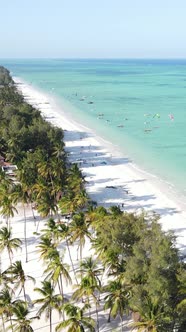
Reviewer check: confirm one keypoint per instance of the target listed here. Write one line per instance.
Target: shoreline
(112, 179)
(62, 109)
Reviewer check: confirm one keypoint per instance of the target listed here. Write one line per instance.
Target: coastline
(112, 179)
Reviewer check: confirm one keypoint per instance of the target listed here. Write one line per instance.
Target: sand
(111, 179)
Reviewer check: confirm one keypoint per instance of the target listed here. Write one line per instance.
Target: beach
(111, 179)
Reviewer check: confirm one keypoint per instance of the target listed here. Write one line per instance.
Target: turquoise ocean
(138, 105)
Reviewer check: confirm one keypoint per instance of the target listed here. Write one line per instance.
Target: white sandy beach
(111, 180)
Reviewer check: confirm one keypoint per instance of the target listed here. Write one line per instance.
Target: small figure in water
(171, 116)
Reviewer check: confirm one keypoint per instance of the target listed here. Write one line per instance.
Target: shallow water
(127, 102)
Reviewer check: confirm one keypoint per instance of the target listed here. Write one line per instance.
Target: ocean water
(138, 105)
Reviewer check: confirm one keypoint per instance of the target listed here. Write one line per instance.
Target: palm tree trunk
(11, 324)
(38, 224)
(97, 316)
(88, 300)
(51, 180)
(24, 292)
(8, 223)
(80, 248)
(102, 275)
(57, 212)
(77, 252)
(59, 286)
(50, 316)
(33, 213)
(108, 321)
(3, 323)
(26, 251)
(62, 293)
(121, 323)
(10, 257)
(71, 261)
(61, 282)
(80, 251)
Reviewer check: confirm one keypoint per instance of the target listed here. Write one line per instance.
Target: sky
(92, 29)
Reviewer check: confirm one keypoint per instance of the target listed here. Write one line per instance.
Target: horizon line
(90, 58)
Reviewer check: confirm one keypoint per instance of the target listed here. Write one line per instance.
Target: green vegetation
(5, 78)
(145, 275)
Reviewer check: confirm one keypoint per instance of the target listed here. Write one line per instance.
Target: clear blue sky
(93, 28)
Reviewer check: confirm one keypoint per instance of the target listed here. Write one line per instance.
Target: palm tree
(7, 208)
(75, 175)
(8, 243)
(79, 231)
(88, 290)
(115, 211)
(107, 256)
(75, 179)
(39, 188)
(63, 233)
(53, 171)
(45, 246)
(2, 317)
(49, 300)
(52, 230)
(145, 326)
(116, 300)
(89, 267)
(6, 186)
(6, 182)
(90, 282)
(67, 203)
(73, 201)
(81, 199)
(6, 306)
(58, 152)
(57, 270)
(76, 321)
(75, 197)
(95, 216)
(22, 195)
(84, 291)
(152, 315)
(18, 276)
(27, 176)
(46, 170)
(46, 204)
(4, 279)
(22, 323)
